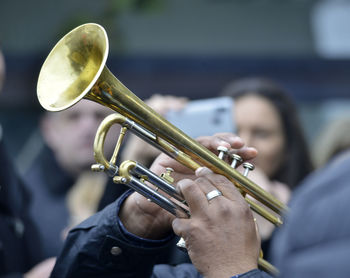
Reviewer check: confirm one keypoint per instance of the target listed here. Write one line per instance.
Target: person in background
(266, 118)
(332, 140)
(20, 244)
(64, 189)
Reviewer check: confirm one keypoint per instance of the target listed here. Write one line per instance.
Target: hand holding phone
(204, 117)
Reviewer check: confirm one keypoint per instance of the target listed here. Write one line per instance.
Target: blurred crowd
(57, 190)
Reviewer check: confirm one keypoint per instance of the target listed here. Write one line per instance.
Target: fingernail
(181, 183)
(238, 139)
(224, 143)
(252, 149)
(203, 171)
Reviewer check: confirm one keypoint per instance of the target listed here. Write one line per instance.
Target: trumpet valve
(222, 151)
(235, 160)
(247, 167)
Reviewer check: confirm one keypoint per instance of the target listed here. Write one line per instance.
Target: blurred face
(259, 125)
(71, 133)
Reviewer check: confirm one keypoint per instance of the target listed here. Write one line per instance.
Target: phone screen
(204, 117)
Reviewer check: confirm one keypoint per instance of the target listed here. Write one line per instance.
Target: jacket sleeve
(99, 248)
(315, 238)
(189, 271)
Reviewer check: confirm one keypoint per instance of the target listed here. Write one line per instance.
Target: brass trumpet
(75, 69)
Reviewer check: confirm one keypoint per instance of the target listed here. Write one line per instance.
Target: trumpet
(76, 69)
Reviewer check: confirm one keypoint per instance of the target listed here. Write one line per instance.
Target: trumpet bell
(75, 69)
(72, 67)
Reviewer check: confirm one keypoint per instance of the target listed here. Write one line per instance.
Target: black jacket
(99, 248)
(20, 247)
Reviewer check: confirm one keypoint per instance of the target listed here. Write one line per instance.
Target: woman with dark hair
(266, 118)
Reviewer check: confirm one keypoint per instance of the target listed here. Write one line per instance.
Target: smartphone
(204, 117)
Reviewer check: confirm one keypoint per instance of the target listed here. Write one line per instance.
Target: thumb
(180, 226)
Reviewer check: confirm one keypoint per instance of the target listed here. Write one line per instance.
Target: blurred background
(189, 48)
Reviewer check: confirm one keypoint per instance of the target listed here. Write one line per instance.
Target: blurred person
(332, 140)
(20, 252)
(20, 245)
(63, 188)
(266, 118)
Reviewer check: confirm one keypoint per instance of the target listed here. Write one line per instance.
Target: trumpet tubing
(75, 69)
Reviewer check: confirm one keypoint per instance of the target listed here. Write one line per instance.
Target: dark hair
(298, 162)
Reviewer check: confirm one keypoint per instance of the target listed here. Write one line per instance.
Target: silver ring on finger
(213, 194)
